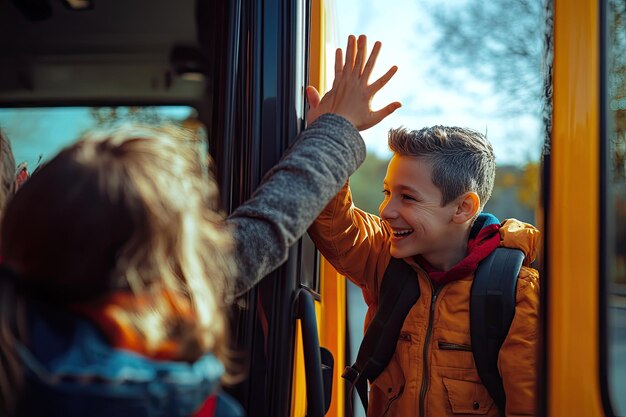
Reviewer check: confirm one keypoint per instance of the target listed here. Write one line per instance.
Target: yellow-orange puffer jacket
(432, 372)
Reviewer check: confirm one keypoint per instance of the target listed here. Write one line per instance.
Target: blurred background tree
(616, 85)
(367, 183)
(106, 117)
(498, 43)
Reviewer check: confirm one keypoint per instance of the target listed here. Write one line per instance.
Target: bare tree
(616, 86)
(500, 43)
(111, 116)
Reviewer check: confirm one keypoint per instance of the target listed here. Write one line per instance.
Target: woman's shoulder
(68, 364)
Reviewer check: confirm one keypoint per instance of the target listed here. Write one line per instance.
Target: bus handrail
(305, 311)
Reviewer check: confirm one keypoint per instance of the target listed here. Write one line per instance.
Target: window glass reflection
(616, 199)
(37, 134)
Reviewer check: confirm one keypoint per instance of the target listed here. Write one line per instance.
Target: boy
(436, 185)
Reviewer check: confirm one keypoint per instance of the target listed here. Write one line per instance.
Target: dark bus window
(615, 200)
(37, 134)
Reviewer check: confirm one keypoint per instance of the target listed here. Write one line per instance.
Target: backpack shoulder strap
(398, 293)
(492, 307)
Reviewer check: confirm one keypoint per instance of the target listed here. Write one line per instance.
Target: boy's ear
(467, 207)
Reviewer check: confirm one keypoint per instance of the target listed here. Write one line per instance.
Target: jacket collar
(483, 239)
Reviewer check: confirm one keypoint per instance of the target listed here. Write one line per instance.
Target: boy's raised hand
(351, 95)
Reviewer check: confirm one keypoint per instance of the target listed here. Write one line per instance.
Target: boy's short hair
(462, 159)
(7, 170)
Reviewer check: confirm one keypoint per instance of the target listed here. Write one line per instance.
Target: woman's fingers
(338, 65)
(379, 115)
(313, 97)
(314, 100)
(369, 66)
(380, 83)
(350, 55)
(360, 55)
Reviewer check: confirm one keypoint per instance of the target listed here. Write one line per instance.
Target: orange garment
(432, 372)
(112, 314)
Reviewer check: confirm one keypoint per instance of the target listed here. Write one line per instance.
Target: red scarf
(479, 247)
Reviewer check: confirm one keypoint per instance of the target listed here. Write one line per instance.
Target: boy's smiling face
(412, 208)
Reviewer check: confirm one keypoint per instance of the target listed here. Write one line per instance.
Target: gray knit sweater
(292, 194)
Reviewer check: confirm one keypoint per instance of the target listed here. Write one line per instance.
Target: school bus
(238, 68)
(583, 213)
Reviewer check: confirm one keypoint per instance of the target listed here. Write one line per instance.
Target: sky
(407, 35)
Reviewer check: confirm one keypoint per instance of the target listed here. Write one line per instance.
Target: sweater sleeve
(292, 194)
(355, 242)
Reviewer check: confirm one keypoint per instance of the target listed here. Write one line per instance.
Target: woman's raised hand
(351, 95)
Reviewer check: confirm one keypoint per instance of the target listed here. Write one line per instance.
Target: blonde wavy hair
(128, 209)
